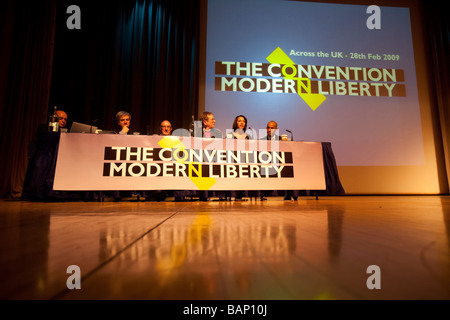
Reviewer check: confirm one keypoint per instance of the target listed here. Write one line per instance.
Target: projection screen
(326, 72)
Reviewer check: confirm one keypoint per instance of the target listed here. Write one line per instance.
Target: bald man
(272, 130)
(165, 128)
(62, 118)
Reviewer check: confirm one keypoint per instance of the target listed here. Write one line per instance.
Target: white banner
(138, 162)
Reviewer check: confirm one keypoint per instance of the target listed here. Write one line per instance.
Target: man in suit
(272, 130)
(208, 123)
(209, 131)
(123, 119)
(165, 128)
(62, 119)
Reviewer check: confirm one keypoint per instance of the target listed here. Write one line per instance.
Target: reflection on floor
(349, 247)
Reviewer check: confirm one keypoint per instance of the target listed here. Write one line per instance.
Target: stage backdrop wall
(143, 56)
(354, 75)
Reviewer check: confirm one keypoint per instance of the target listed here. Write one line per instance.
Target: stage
(333, 247)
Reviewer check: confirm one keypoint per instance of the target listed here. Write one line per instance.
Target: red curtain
(27, 38)
(140, 56)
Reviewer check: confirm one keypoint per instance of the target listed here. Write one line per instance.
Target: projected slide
(326, 72)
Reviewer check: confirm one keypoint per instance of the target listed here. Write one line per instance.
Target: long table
(40, 176)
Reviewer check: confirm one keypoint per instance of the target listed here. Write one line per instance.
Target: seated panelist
(123, 119)
(272, 131)
(239, 128)
(208, 124)
(165, 128)
(62, 119)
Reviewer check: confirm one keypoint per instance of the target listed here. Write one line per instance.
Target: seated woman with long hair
(240, 127)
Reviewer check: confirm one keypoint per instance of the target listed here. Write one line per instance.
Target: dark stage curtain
(136, 56)
(26, 41)
(133, 55)
(439, 37)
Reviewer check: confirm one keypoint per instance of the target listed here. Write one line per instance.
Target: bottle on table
(53, 124)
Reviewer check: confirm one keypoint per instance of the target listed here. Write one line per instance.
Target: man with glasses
(208, 123)
(165, 128)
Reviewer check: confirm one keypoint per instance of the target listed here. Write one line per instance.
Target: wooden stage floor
(226, 250)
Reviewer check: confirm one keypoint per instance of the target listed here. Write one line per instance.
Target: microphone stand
(90, 130)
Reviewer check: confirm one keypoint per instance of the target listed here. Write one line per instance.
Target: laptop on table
(82, 128)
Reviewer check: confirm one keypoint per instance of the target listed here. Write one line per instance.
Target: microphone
(90, 130)
(253, 131)
(192, 126)
(292, 135)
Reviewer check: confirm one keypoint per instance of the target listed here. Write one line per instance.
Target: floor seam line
(110, 259)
